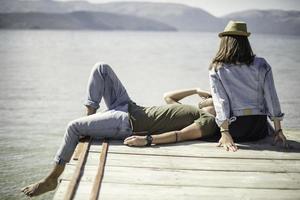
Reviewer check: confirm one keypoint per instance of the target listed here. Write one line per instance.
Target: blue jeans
(112, 124)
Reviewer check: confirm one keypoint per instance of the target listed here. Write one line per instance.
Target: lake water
(44, 76)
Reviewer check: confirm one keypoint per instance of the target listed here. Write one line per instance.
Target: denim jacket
(239, 90)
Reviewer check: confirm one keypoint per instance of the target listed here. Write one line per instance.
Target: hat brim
(240, 33)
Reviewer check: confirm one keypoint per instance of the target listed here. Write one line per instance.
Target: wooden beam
(98, 179)
(79, 148)
(78, 172)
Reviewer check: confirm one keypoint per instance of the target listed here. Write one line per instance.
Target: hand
(203, 94)
(226, 141)
(279, 137)
(135, 140)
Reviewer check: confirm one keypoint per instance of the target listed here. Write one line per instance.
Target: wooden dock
(188, 170)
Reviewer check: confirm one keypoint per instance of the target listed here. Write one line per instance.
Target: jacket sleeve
(220, 98)
(270, 95)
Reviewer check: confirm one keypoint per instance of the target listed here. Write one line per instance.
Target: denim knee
(101, 67)
(73, 128)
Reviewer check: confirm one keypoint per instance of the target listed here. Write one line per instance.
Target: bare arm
(176, 95)
(190, 132)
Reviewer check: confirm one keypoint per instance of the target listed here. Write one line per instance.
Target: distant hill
(79, 20)
(45, 6)
(269, 21)
(162, 16)
(177, 15)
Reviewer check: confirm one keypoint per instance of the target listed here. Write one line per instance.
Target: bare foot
(40, 187)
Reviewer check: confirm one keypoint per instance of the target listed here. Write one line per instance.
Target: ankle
(50, 179)
(56, 172)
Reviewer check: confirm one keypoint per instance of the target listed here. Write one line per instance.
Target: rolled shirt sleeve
(220, 98)
(270, 96)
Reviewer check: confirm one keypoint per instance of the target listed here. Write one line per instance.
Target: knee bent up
(101, 67)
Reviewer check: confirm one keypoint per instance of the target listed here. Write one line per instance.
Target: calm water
(44, 75)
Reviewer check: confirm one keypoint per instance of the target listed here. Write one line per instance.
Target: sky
(223, 7)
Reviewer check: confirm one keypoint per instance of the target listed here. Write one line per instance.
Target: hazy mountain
(180, 16)
(167, 15)
(269, 21)
(176, 15)
(48, 6)
(79, 20)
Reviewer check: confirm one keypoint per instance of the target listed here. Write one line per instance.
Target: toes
(27, 192)
(34, 190)
(24, 188)
(30, 194)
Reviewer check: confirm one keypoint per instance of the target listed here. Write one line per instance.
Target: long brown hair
(233, 49)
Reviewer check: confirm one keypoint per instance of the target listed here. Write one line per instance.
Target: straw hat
(235, 28)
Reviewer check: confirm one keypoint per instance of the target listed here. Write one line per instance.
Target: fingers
(133, 141)
(281, 138)
(129, 141)
(130, 138)
(228, 146)
(275, 140)
(233, 147)
(284, 143)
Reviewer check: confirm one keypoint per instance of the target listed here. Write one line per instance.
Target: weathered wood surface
(76, 175)
(191, 170)
(100, 172)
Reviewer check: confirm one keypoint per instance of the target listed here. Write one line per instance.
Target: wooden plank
(204, 164)
(149, 176)
(77, 173)
(150, 192)
(100, 172)
(79, 147)
(78, 151)
(204, 150)
(88, 174)
(232, 179)
(113, 191)
(292, 134)
(202, 178)
(82, 193)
